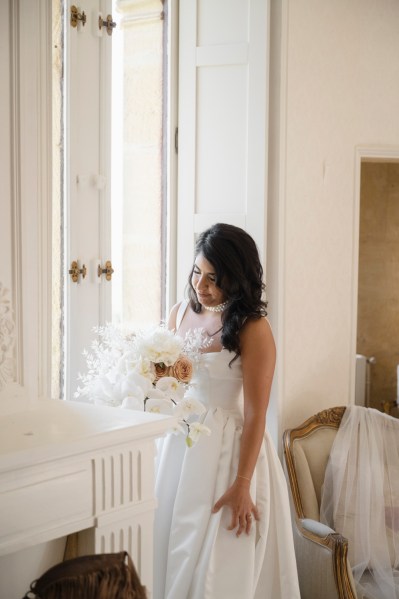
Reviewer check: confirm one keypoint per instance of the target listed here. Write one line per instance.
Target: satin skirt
(196, 557)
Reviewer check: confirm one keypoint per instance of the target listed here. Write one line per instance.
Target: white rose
(160, 345)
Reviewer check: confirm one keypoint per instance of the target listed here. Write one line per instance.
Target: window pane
(137, 166)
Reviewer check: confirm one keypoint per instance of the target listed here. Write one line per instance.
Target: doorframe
(362, 154)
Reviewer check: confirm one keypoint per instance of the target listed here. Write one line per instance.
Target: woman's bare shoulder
(257, 326)
(172, 316)
(257, 332)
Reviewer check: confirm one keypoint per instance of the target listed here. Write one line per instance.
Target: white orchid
(189, 406)
(155, 393)
(159, 406)
(171, 388)
(178, 429)
(196, 429)
(105, 390)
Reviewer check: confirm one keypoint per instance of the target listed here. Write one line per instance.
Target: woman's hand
(238, 498)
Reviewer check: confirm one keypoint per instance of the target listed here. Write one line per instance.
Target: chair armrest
(317, 528)
(323, 567)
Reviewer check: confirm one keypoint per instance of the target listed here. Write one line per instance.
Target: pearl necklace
(218, 308)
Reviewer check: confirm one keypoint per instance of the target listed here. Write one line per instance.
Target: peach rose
(161, 370)
(182, 369)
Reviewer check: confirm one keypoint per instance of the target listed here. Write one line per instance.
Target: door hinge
(177, 140)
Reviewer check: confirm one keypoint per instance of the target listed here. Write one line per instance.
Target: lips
(202, 296)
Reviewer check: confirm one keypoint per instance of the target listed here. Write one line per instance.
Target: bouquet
(148, 370)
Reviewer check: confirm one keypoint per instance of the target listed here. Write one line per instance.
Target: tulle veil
(360, 498)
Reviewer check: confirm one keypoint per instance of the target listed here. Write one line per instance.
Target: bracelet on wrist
(244, 477)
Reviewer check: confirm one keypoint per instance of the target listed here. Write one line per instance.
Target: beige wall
(378, 295)
(339, 89)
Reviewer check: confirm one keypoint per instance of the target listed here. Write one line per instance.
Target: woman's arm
(258, 357)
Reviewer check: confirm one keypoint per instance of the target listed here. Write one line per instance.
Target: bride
(223, 527)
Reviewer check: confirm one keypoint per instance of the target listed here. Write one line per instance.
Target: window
(138, 203)
(110, 160)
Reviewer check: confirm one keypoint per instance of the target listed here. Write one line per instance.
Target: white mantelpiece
(68, 467)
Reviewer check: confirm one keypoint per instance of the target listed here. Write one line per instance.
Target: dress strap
(180, 313)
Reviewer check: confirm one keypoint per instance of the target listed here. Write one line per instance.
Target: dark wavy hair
(239, 274)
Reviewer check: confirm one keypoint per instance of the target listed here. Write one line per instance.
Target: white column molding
(30, 49)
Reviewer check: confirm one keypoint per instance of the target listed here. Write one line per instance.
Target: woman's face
(203, 280)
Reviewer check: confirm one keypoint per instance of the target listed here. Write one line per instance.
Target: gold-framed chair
(321, 552)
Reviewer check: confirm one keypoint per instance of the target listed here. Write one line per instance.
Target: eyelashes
(211, 278)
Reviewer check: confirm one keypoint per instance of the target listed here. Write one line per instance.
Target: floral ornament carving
(332, 416)
(7, 338)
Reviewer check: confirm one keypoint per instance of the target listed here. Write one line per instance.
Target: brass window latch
(76, 16)
(75, 271)
(107, 271)
(109, 24)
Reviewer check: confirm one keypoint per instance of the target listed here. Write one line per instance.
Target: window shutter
(223, 109)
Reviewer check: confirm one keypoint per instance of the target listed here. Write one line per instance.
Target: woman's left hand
(238, 498)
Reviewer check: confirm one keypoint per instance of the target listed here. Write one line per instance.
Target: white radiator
(362, 382)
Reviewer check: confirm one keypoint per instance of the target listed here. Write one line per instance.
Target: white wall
(339, 89)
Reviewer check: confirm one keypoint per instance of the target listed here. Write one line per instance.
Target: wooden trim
(338, 545)
(335, 542)
(330, 418)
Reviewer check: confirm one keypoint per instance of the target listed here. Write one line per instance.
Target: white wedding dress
(196, 557)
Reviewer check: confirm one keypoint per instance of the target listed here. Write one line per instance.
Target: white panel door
(87, 93)
(223, 110)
